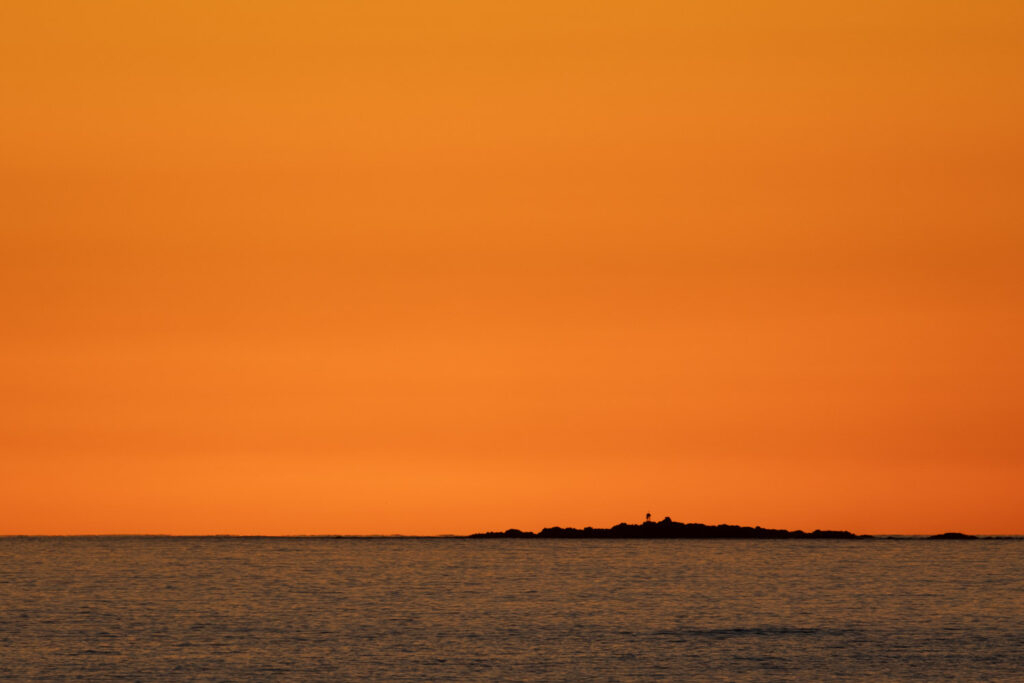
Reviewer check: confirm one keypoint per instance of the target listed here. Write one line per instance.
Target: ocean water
(306, 609)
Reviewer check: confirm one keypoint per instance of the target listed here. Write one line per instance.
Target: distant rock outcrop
(953, 536)
(666, 528)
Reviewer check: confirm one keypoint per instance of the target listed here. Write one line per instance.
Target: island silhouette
(667, 528)
(953, 536)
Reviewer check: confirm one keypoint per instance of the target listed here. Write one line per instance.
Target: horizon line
(882, 536)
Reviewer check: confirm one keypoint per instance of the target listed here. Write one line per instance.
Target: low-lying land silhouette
(666, 528)
(952, 536)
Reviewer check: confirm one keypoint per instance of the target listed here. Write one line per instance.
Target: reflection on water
(457, 609)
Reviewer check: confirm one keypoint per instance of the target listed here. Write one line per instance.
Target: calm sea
(302, 609)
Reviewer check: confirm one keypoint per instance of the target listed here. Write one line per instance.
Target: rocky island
(666, 528)
(952, 536)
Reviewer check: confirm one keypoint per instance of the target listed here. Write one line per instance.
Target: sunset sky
(445, 266)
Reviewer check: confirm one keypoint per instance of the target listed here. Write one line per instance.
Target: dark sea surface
(306, 609)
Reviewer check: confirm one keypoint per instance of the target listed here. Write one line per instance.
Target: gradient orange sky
(447, 266)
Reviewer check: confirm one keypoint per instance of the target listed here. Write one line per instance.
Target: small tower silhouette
(648, 517)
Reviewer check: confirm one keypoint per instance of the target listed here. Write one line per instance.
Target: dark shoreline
(666, 528)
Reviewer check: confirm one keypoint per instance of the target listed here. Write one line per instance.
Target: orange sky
(438, 267)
